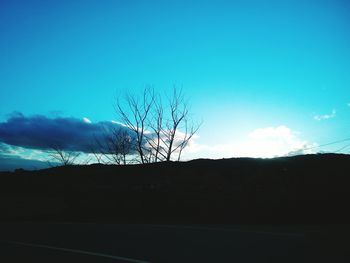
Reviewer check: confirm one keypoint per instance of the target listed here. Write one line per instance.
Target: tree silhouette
(135, 118)
(61, 156)
(161, 130)
(114, 146)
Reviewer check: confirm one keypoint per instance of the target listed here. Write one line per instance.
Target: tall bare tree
(179, 128)
(161, 131)
(156, 125)
(135, 115)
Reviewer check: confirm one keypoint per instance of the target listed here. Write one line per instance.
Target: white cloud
(23, 153)
(119, 123)
(326, 116)
(86, 120)
(263, 142)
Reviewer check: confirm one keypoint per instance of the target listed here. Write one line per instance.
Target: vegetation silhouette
(150, 130)
(60, 157)
(115, 146)
(162, 129)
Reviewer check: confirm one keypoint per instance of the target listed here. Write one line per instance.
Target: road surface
(125, 243)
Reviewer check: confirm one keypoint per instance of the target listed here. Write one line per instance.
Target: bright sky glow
(263, 142)
(266, 77)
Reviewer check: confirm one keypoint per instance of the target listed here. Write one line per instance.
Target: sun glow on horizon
(261, 143)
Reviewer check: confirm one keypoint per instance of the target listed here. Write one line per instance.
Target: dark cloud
(41, 132)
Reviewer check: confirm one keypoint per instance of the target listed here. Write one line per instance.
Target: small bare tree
(96, 153)
(61, 156)
(115, 146)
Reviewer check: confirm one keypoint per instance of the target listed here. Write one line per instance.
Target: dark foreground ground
(312, 189)
(42, 242)
(307, 195)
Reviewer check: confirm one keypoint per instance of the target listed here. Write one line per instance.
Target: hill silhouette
(301, 189)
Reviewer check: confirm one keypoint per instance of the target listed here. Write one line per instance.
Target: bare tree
(124, 144)
(135, 118)
(61, 156)
(156, 125)
(173, 139)
(96, 152)
(115, 146)
(178, 112)
(161, 131)
(190, 131)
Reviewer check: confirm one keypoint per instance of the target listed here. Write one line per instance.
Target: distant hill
(300, 189)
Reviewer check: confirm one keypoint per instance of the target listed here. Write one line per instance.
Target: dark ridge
(307, 189)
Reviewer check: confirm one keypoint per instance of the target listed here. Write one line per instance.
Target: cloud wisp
(41, 133)
(332, 115)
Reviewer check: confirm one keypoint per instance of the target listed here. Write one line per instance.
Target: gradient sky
(252, 69)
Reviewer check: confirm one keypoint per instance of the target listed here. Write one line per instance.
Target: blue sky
(245, 65)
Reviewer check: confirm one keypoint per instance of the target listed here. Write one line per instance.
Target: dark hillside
(301, 189)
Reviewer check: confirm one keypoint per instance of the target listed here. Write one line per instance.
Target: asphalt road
(40, 242)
